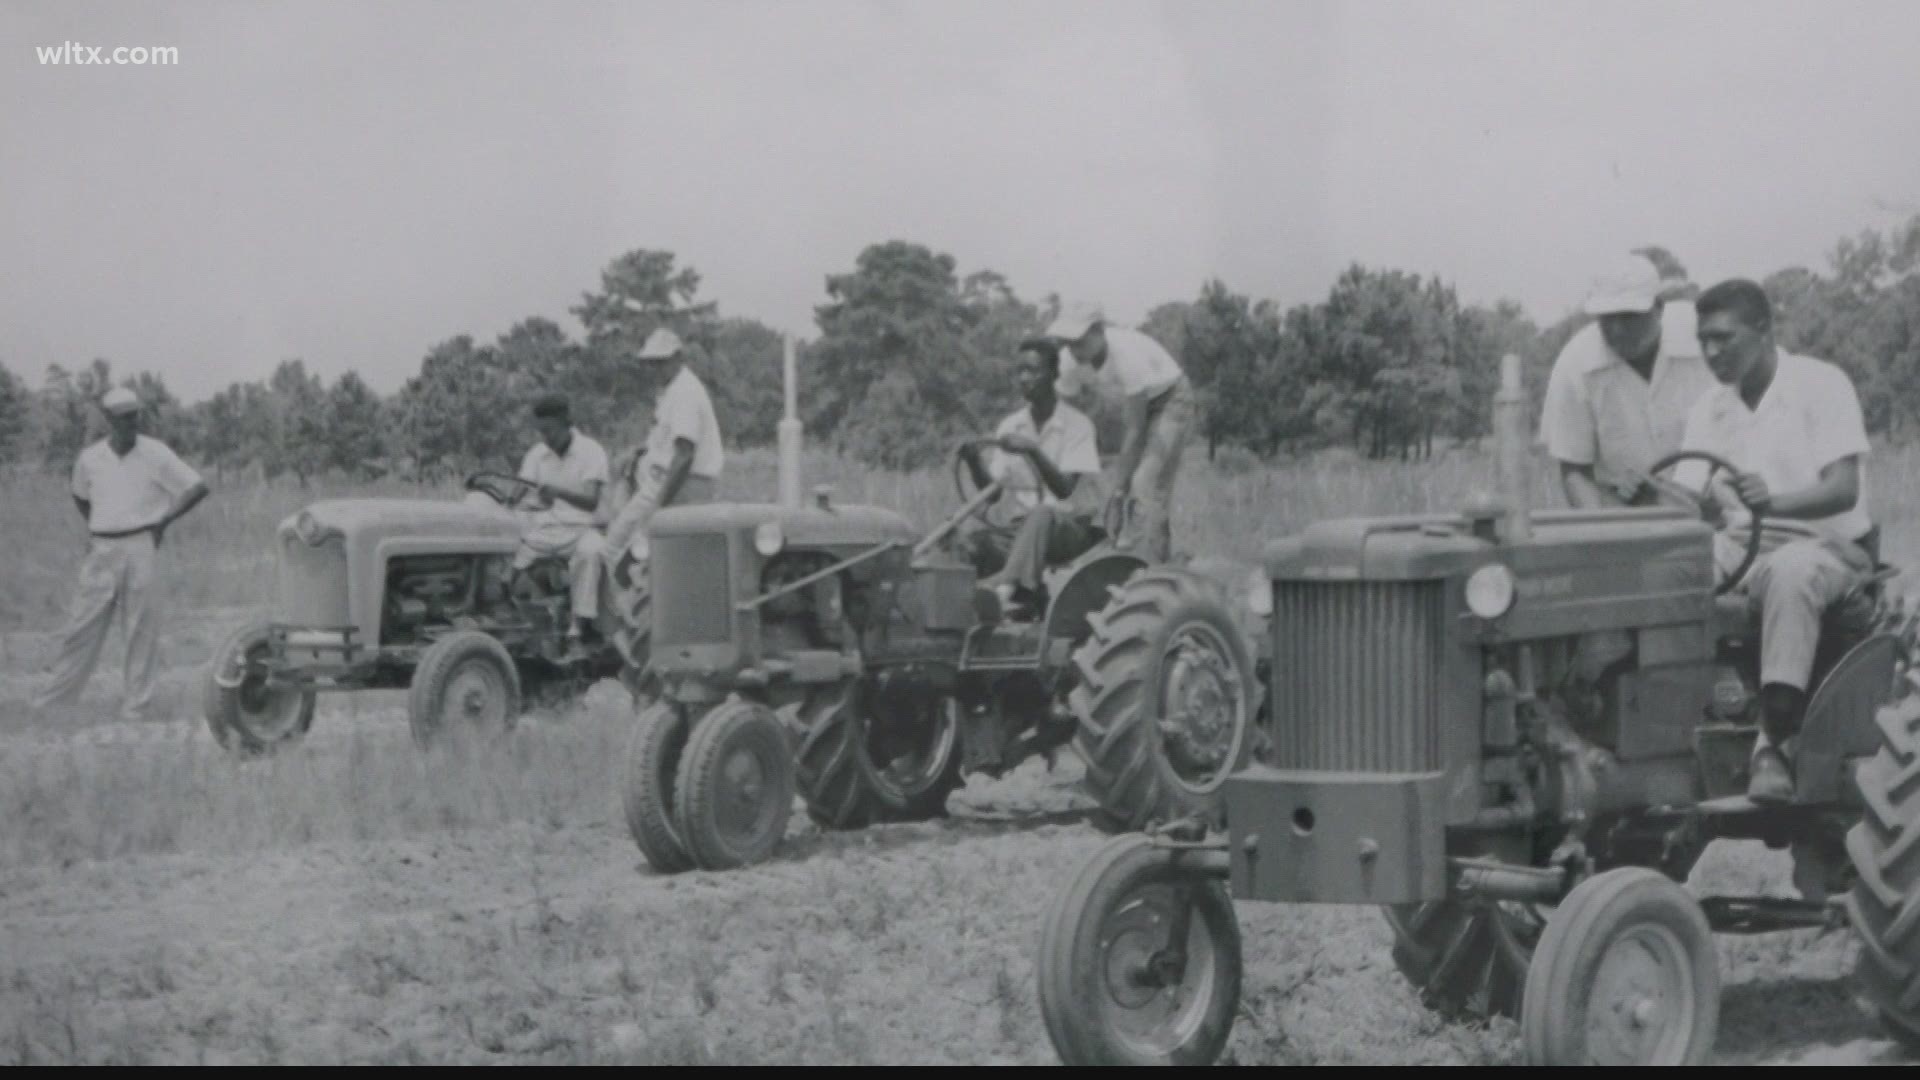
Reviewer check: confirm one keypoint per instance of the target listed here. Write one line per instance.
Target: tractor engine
(1440, 682)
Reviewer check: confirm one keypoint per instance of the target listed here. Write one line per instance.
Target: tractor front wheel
(1625, 974)
(653, 760)
(1884, 903)
(467, 687)
(247, 717)
(734, 791)
(1140, 961)
(1165, 703)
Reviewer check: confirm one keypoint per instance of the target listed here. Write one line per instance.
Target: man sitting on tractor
(1044, 453)
(567, 470)
(1793, 428)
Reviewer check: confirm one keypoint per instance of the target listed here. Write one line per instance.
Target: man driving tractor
(1045, 457)
(568, 471)
(1792, 427)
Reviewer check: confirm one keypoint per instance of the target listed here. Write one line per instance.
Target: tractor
(832, 652)
(1515, 733)
(418, 594)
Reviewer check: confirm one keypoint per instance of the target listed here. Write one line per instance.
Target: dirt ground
(358, 903)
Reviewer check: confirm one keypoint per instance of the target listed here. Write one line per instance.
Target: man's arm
(588, 500)
(1839, 439)
(1582, 490)
(1060, 483)
(1834, 493)
(1134, 446)
(187, 501)
(677, 470)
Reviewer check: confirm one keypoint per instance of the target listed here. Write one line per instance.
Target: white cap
(1074, 323)
(1630, 284)
(661, 344)
(120, 400)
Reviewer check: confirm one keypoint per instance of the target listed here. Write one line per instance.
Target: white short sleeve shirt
(130, 492)
(1599, 411)
(1809, 418)
(1067, 439)
(1135, 364)
(585, 462)
(684, 411)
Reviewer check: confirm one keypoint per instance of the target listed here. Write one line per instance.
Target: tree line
(911, 353)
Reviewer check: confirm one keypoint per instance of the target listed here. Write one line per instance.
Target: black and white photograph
(922, 532)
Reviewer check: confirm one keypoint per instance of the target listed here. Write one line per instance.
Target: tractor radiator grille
(692, 604)
(312, 583)
(1357, 675)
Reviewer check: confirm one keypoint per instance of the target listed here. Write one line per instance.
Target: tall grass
(220, 556)
(218, 569)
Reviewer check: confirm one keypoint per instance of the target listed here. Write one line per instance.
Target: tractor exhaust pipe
(789, 432)
(1510, 435)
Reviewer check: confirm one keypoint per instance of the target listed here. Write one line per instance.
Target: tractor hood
(380, 517)
(1428, 546)
(809, 526)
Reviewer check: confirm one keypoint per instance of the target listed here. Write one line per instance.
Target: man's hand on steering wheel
(1747, 487)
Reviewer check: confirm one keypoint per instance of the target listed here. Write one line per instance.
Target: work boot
(1771, 782)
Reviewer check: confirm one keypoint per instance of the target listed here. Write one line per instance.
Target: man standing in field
(683, 453)
(1159, 408)
(1618, 396)
(1046, 459)
(568, 470)
(128, 488)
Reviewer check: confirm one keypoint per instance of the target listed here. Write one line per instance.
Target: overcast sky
(352, 182)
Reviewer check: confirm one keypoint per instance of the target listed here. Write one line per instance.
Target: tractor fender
(1081, 588)
(1842, 718)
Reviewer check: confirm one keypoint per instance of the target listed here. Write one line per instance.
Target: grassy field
(354, 900)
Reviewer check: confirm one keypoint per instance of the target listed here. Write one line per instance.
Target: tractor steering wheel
(503, 488)
(1678, 490)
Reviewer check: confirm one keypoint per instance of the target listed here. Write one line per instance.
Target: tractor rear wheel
(1625, 974)
(1467, 956)
(1140, 961)
(247, 717)
(853, 774)
(467, 687)
(653, 761)
(1884, 903)
(828, 770)
(1165, 703)
(734, 792)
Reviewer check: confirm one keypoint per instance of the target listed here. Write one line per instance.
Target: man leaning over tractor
(568, 470)
(1792, 426)
(1046, 459)
(683, 455)
(1159, 419)
(1618, 396)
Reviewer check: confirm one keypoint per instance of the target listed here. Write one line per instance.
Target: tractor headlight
(1490, 591)
(310, 531)
(768, 539)
(1259, 593)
